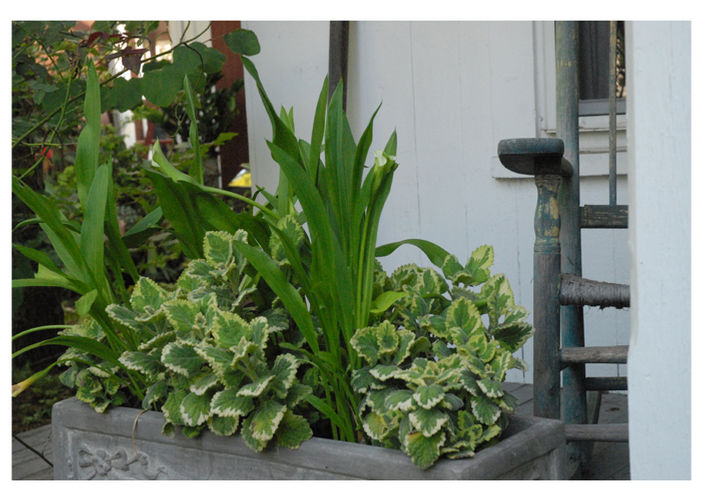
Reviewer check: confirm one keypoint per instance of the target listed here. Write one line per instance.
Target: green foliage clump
(432, 375)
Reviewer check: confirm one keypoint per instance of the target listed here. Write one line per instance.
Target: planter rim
(525, 439)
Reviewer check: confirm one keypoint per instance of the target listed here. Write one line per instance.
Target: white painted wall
(452, 90)
(659, 369)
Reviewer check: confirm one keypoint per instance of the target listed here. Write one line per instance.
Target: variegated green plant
(207, 358)
(433, 374)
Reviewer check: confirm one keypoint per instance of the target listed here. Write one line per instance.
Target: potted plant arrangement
(284, 350)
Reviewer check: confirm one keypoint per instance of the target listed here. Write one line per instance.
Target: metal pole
(338, 57)
(612, 113)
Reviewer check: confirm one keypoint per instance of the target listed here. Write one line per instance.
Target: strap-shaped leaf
(292, 431)
(195, 409)
(228, 403)
(181, 358)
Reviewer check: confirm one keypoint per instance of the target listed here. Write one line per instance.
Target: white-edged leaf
(292, 431)
(428, 396)
(485, 410)
(265, 419)
(147, 293)
(256, 388)
(227, 403)
(490, 387)
(400, 400)
(423, 450)
(195, 409)
(203, 382)
(229, 329)
(181, 358)
(223, 426)
(141, 362)
(428, 421)
(385, 372)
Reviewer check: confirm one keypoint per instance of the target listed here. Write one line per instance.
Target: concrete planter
(88, 445)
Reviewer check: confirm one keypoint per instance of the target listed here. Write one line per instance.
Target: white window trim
(593, 130)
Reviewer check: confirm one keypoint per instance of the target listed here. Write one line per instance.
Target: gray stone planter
(88, 445)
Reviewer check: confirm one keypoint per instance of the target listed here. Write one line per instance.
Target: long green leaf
(283, 288)
(85, 344)
(88, 148)
(92, 244)
(118, 251)
(62, 240)
(196, 170)
(435, 253)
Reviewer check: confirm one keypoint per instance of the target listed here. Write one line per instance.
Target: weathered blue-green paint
(571, 317)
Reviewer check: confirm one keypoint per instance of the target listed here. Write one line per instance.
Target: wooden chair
(559, 291)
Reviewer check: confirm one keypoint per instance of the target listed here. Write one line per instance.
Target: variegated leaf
(247, 435)
(464, 314)
(259, 332)
(218, 248)
(386, 336)
(428, 421)
(278, 320)
(256, 388)
(400, 400)
(452, 402)
(292, 431)
(171, 407)
(181, 358)
(428, 396)
(154, 394)
(227, 403)
(385, 372)
(364, 342)
(508, 402)
(296, 394)
(123, 316)
(229, 329)
(265, 419)
(491, 433)
(244, 352)
(512, 336)
(485, 410)
(219, 359)
(223, 426)
(479, 263)
(141, 362)
(181, 314)
(158, 341)
(375, 426)
(202, 382)
(362, 380)
(285, 371)
(423, 450)
(195, 409)
(147, 293)
(490, 387)
(469, 382)
(406, 339)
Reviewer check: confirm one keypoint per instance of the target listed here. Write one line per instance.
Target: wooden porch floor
(609, 460)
